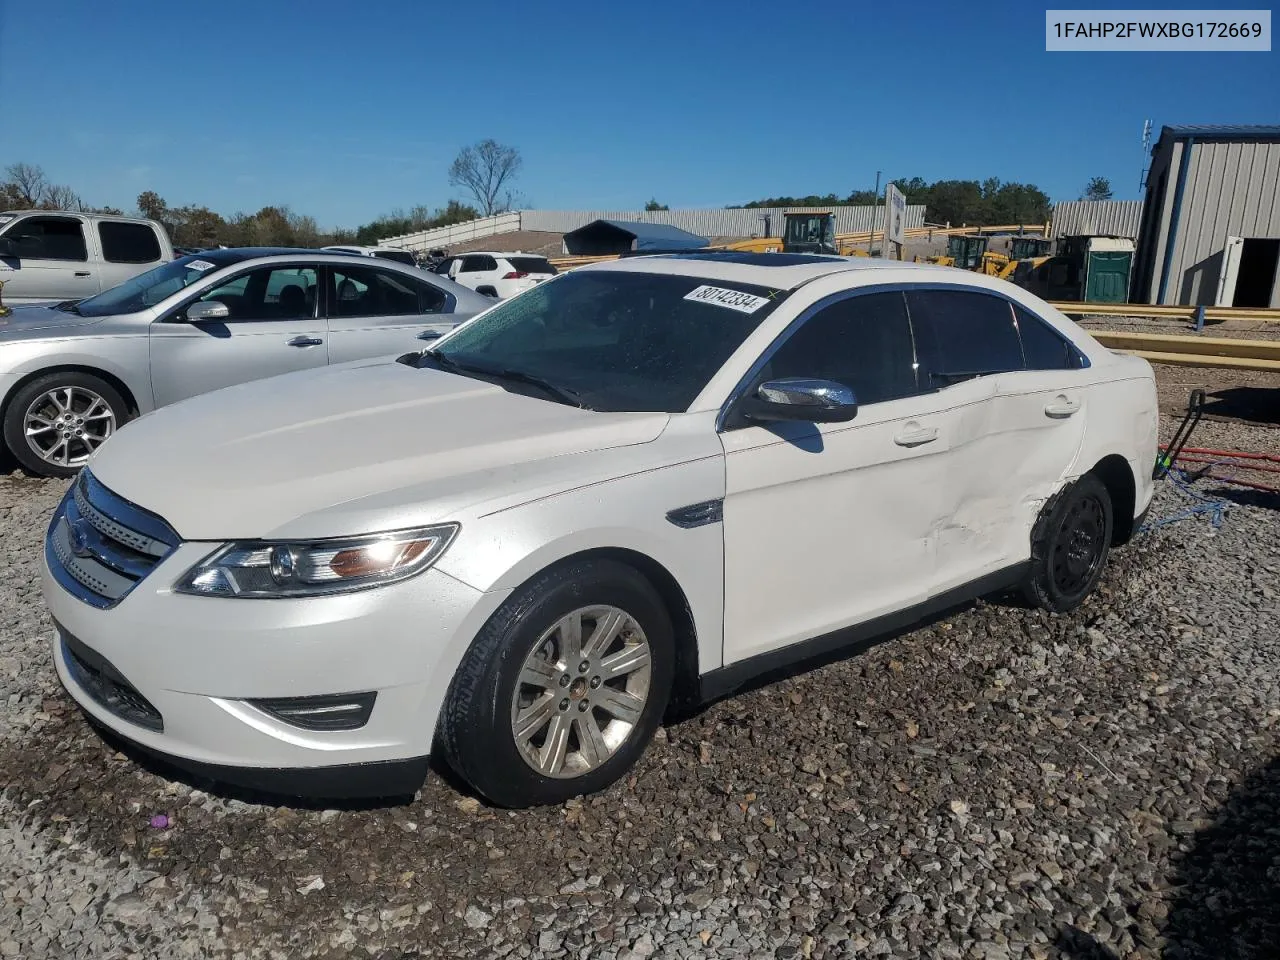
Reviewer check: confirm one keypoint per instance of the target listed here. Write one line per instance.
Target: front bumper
(196, 662)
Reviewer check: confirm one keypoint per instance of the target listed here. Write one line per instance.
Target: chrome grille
(100, 546)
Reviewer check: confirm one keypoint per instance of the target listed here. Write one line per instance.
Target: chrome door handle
(917, 437)
(305, 342)
(430, 335)
(1061, 408)
(82, 273)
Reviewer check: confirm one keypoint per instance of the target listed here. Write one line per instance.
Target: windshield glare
(621, 341)
(147, 289)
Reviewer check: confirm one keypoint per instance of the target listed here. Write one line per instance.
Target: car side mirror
(801, 398)
(208, 310)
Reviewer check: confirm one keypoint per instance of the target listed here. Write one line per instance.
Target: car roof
(784, 271)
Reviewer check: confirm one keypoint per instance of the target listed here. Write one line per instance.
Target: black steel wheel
(1069, 546)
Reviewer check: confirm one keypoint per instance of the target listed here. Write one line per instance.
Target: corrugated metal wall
(1118, 218)
(1232, 190)
(716, 222)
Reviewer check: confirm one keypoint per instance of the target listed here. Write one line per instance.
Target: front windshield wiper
(70, 306)
(563, 394)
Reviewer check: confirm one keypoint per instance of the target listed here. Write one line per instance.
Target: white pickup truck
(57, 255)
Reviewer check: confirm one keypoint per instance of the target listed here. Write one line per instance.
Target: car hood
(348, 449)
(26, 319)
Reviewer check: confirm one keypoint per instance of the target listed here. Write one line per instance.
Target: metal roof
(651, 235)
(1221, 131)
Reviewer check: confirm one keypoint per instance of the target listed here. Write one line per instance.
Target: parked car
(500, 275)
(644, 482)
(54, 255)
(394, 254)
(72, 373)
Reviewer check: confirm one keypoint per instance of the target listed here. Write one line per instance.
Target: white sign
(895, 216)
(732, 299)
(201, 265)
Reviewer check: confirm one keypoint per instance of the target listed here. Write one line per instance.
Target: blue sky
(345, 110)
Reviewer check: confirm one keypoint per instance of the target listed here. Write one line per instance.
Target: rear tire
(1069, 546)
(534, 716)
(54, 423)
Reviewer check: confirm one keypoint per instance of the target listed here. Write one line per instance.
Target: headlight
(310, 568)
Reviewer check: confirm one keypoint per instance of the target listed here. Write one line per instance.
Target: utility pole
(875, 209)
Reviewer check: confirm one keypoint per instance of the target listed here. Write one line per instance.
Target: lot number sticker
(200, 265)
(732, 299)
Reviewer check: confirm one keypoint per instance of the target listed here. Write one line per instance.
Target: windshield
(147, 289)
(618, 341)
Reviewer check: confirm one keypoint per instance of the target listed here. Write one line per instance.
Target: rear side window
(962, 334)
(478, 263)
(531, 265)
(363, 292)
(49, 238)
(1043, 347)
(128, 242)
(863, 342)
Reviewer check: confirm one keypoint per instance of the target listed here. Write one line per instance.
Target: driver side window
(863, 342)
(279, 293)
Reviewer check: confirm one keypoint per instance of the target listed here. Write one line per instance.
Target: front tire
(53, 424)
(1069, 546)
(563, 688)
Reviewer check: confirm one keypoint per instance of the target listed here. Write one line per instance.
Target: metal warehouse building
(1210, 231)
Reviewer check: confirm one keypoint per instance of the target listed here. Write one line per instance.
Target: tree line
(971, 202)
(485, 171)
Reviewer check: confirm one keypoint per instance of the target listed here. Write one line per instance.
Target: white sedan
(635, 486)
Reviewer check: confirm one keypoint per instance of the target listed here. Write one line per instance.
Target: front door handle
(82, 273)
(303, 341)
(1062, 407)
(916, 436)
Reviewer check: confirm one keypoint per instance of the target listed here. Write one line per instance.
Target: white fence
(457, 233)
(715, 222)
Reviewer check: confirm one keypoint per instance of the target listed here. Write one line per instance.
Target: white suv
(640, 484)
(499, 275)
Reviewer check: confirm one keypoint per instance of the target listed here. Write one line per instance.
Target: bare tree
(486, 171)
(28, 183)
(60, 197)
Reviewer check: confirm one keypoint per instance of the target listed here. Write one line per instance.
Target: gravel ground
(1001, 783)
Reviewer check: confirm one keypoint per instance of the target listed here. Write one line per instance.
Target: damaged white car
(637, 485)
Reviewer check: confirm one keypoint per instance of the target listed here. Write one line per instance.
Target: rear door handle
(1062, 407)
(82, 273)
(916, 437)
(305, 342)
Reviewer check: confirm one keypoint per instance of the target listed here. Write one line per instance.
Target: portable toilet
(1098, 268)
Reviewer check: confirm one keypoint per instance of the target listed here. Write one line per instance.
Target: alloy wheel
(64, 425)
(581, 691)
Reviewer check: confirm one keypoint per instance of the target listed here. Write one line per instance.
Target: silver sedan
(71, 373)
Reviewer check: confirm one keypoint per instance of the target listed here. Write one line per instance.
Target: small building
(605, 237)
(1210, 231)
